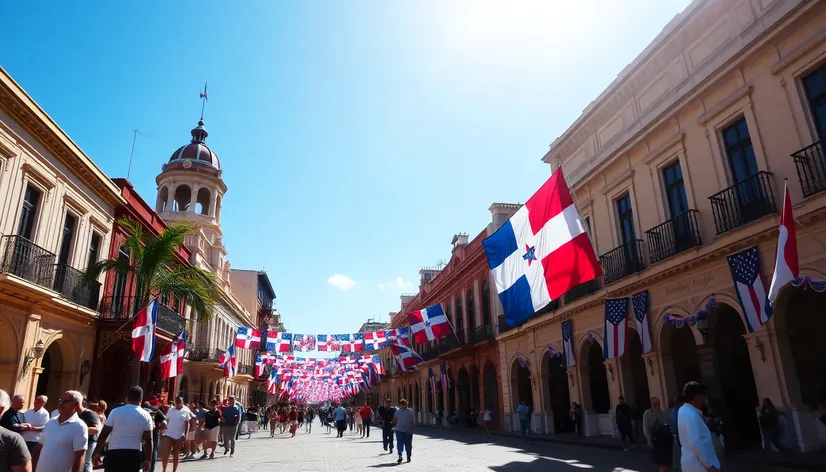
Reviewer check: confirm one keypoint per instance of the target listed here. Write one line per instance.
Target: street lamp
(34, 353)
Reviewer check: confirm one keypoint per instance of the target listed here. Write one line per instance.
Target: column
(170, 197)
(193, 197)
(540, 413)
(613, 370)
(652, 371)
(31, 335)
(213, 202)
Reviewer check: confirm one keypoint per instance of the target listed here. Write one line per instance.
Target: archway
(183, 195)
(463, 385)
(451, 392)
(49, 383)
(202, 201)
(491, 391)
(557, 396)
(8, 352)
(678, 347)
(440, 397)
(163, 196)
(596, 396)
(634, 376)
(733, 383)
(474, 389)
(520, 385)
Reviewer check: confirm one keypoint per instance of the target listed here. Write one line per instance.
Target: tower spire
(204, 99)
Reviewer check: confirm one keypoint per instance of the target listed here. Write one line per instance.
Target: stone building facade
(56, 214)
(678, 164)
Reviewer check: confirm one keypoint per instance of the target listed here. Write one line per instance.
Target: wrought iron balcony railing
(811, 168)
(246, 369)
(430, 353)
(622, 261)
(204, 354)
(483, 332)
(582, 290)
(27, 260)
(674, 236)
(114, 307)
(74, 286)
(743, 202)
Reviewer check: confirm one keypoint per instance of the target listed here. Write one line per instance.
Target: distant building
(372, 325)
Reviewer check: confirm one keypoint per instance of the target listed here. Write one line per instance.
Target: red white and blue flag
(640, 302)
(616, 327)
(377, 364)
(400, 336)
(786, 263)
(283, 342)
(143, 334)
(568, 342)
(445, 378)
(375, 341)
(328, 342)
(541, 252)
(272, 382)
(352, 342)
(248, 338)
(303, 342)
(229, 362)
(429, 324)
(745, 272)
(406, 358)
(172, 357)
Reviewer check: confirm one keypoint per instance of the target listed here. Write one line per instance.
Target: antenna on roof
(132, 154)
(204, 99)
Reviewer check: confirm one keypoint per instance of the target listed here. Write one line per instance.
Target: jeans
(229, 437)
(387, 436)
(156, 438)
(341, 426)
(525, 427)
(366, 425)
(625, 430)
(90, 450)
(404, 441)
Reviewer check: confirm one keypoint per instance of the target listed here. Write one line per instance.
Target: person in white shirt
(127, 427)
(177, 426)
(697, 452)
(62, 446)
(37, 418)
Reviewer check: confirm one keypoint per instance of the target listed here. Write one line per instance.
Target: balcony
(483, 332)
(449, 343)
(743, 202)
(430, 353)
(246, 369)
(674, 236)
(622, 261)
(75, 287)
(27, 260)
(582, 290)
(811, 168)
(113, 307)
(204, 355)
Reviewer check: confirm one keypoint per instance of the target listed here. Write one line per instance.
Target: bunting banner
(691, 320)
(804, 282)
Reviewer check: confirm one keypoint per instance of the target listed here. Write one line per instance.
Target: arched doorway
(491, 391)
(474, 389)
(800, 326)
(451, 392)
(440, 397)
(463, 385)
(596, 396)
(735, 389)
(429, 399)
(679, 357)
(635, 379)
(49, 383)
(557, 396)
(520, 385)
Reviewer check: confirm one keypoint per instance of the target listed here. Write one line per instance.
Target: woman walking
(659, 434)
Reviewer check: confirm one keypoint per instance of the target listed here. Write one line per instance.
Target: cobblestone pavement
(433, 450)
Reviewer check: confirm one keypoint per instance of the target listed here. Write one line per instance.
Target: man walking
(92, 421)
(403, 421)
(624, 423)
(524, 412)
(178, 423)
(158, 423)
(36, 418)
(366, 414)
(62, 445)
(340, 415)
(386, 413)
(232, 418)
(127, 427)
(13, 451)
(697, 451)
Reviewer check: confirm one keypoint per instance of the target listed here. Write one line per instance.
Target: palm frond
(196, 287)
(99, 267)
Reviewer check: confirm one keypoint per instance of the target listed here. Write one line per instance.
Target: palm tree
(152, 261)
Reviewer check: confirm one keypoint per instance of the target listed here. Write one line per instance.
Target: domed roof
(197, 150)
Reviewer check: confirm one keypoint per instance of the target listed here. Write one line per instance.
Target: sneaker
(212, 455)
(399, 461)
(391, 450)
(226, 451)
(204, 456)
(408, 458)
(385, 447)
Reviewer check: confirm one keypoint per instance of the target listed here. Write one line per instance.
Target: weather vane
(204, 99)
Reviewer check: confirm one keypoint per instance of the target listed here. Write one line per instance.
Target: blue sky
(356, 138)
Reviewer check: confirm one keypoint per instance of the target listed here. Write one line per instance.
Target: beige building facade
(679, 164)
(55, 219)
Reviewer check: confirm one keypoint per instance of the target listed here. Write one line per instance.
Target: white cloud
(399, 282)
(341, 281)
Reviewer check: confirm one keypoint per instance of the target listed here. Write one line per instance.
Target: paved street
(433, 450)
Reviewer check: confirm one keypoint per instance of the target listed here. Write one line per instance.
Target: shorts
(190, 436)
(211, 434)
(170, 445)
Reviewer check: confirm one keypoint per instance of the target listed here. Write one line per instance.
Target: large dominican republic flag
(172, 357)
(640, 302)
(248, 338)
(429, 324)
(328, 342)
(283, 342)
(143, 334)
(745, 272)
(568, 342)
(406, 358)
(541, 252)
(229, 362)
(786, 264)
(616, 327)
(375, 340)
(352, 342)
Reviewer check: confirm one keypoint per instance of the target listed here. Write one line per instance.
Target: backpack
(662, 434)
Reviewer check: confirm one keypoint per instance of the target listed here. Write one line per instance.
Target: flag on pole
(567, 342)
(786, 263)
(616, 327)
(143, 334)
(229, 362)
(248, 338)
(541, 252)
(406, 358)
(445, 378)
(745, 272)
(429, 324)
(377, 364)
(272, 381)
(640, 302)
(172, 357)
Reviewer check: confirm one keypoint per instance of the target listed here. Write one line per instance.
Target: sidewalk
(814, 461)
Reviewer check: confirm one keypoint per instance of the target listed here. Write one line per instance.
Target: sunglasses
(61, 401)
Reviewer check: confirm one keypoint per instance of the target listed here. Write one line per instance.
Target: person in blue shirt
(341, 420)
(524, 412)
(243, 414)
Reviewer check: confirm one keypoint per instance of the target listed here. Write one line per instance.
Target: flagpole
(132, 154)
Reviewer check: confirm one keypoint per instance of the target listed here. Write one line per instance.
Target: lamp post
(35, 352)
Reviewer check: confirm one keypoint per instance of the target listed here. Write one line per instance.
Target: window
(460, 322)
(119, 288)
(625, 215)
(485, 303)
(471, 315)
(815, 87)
(739, 151)
(588, 225)
(28, 213)
(675, 189)
(94, 249)
(165, 299)
(67, 239)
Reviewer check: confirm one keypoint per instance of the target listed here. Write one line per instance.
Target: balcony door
(683, 237)
(62, 271)
(748, 189)
(28, 213)
(26, 259)
(628, 236)
(815, 86)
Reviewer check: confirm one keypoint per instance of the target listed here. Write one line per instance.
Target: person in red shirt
(366, 414)
(293, 421)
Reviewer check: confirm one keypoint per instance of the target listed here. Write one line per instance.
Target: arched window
(471, 317)
(183, 195)
(485, 303)
(460, 322)
(202, 202)
(163, 196)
